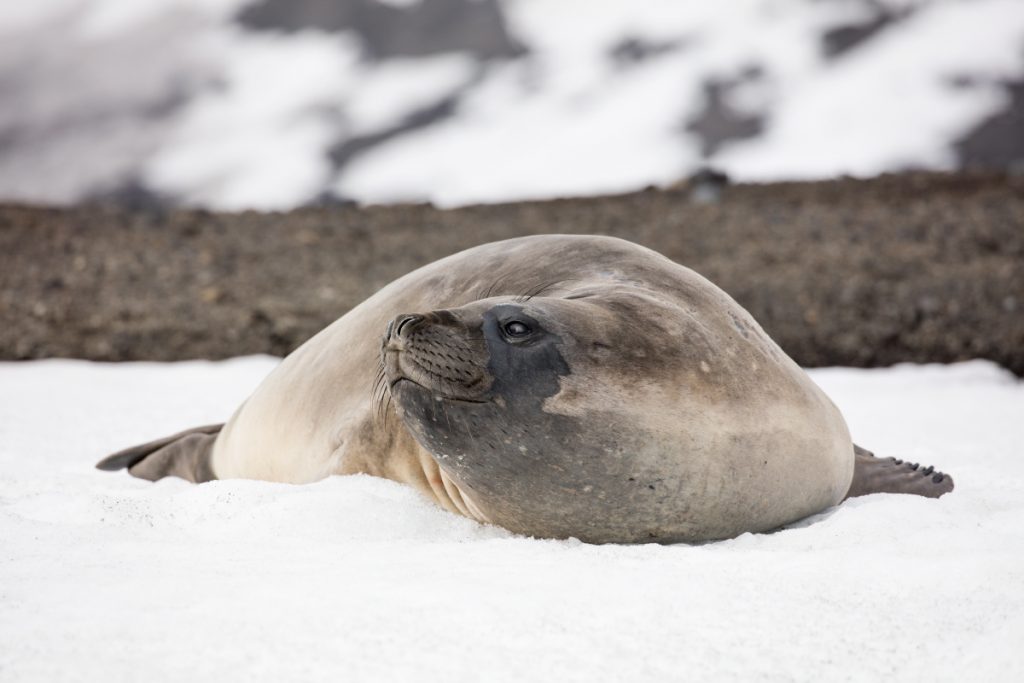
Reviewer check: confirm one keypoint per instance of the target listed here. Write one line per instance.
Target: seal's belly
(765, 464)
(715, 475)
(756, 479)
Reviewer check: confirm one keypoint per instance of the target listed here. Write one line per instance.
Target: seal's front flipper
(889, 475)
(186, 455)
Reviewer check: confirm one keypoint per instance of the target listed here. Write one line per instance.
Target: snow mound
(103, 576)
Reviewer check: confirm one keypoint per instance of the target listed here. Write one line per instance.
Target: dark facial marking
(525, 359)
(529, 470)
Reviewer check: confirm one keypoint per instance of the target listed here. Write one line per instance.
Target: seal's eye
(516, 329)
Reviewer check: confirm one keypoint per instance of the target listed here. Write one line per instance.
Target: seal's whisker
(387, 409)
(380, 388)
(444, 410)
(379, 403)
(486, 294)
(537, 290)
(384, 404)
(472, 439)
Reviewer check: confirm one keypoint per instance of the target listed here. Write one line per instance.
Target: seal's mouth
(399, 384)
(435, 356)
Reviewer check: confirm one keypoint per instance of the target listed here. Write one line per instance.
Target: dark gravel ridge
(913, 267)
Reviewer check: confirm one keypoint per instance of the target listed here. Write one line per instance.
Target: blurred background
(274, 104)
(851, 171)
(208, 179)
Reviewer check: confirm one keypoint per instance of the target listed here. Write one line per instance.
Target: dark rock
(917, 267)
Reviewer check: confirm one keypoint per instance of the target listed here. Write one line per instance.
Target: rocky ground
(916, 267)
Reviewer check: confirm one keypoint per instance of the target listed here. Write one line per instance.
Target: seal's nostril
(406, 323)
(389, 330)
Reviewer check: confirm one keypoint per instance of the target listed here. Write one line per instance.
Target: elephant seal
(557, 386)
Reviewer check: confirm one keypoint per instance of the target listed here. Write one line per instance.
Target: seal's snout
(402, 325)
(438, 352)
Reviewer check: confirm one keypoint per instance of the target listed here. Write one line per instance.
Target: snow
(895, 100)
(105, 577)
(402, 86)
(567, 120)
(180, 97)
(236, 148)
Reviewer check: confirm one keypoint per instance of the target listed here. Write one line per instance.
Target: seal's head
(541, 410)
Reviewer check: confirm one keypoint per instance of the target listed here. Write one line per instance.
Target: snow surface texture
(106, 577)
(236, 104)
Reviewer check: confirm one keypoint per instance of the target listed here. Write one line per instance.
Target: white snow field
(180, 98)
(108, 578)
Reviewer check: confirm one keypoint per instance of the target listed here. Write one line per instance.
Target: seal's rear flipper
(186, 455)
(889, 475)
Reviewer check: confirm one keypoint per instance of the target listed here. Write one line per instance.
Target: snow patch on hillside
(179, 100)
